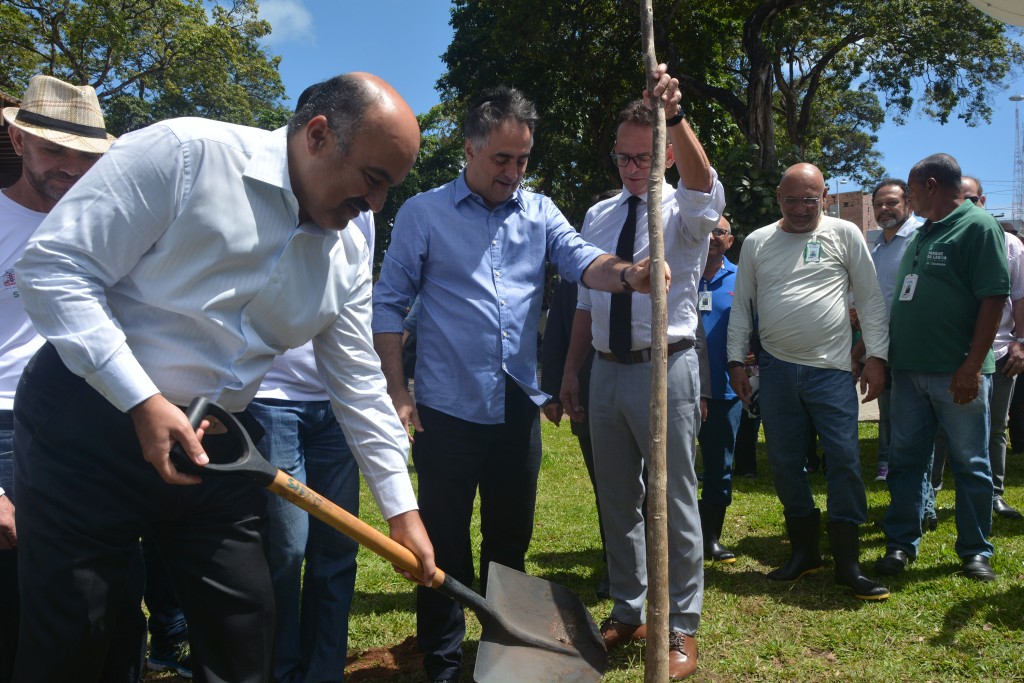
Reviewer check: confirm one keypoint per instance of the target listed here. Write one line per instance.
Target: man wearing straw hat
(192, 255)
(59, 134)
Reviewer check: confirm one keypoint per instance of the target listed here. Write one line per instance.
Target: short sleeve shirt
(957, 261)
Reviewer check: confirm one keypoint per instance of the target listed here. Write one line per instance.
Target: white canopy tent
(1009, 11)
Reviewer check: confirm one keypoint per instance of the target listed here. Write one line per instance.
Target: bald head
(346, 100)
(352, 138)
(800, 195)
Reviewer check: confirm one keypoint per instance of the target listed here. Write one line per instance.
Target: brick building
(854, 207)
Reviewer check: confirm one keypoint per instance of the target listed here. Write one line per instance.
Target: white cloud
(290, 19)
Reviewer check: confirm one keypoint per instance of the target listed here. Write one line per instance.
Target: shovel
(534, 631)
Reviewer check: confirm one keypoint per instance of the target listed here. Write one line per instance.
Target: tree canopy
(766, 82)
(148, 59)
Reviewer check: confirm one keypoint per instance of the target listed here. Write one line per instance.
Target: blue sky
(402, 41)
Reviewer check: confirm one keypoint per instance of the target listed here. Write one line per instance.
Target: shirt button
(497, 273)
(494, 242)
(504, 334)
(502, 302)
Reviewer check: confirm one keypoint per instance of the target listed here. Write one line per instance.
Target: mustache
(359, 203)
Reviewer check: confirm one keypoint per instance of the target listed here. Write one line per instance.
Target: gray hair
(493, 108)
(344, 100)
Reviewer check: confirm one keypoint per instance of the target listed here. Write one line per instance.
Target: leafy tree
(148, 59)
(766, 82)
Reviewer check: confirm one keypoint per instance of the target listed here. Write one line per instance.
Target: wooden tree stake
(656, 657)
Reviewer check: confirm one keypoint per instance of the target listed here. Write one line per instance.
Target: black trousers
(453, 459)
(85, 496)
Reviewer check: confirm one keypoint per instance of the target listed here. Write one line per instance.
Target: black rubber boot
(805, 557)
(711, 519)
(844, 537)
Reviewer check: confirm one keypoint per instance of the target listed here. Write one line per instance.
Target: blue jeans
(717, 438)
(304, 440)
(884, 425)
(921, 403)
(793, 399)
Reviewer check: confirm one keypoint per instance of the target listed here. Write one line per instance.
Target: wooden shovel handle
(338, 518)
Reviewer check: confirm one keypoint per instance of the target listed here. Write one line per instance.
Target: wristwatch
(675, 120)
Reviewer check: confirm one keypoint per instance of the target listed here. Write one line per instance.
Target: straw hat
(62, 113)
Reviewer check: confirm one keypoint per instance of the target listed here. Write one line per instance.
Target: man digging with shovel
(192, 254)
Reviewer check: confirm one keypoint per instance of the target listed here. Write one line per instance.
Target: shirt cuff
(394, 495)
(122, 381)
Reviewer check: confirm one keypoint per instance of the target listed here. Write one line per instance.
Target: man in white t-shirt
(796, 274)
(59, 134)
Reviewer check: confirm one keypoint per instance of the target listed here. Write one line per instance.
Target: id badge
(704, 301)
(909, 285)
(812, 252)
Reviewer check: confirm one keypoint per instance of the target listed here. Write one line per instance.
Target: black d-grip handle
(240, 457)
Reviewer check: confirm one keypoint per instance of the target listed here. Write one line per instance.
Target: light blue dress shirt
(480, 277)
(178, 265)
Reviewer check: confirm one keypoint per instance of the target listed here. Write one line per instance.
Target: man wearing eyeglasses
(1008, 351)
(797, 272)
(619, 328)
(953, 284)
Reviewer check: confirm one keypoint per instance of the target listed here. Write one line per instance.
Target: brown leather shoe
(615, 632)
(682, 655)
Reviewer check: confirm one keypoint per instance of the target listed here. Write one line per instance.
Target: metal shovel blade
(549, 612)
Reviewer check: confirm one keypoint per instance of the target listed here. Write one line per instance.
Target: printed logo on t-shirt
(10, 285)
(937, 256)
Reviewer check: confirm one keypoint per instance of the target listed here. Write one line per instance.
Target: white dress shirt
(177, 265)
(293, 375)
(688, 217)
(1015, 261)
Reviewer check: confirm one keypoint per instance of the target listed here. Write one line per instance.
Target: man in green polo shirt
(950, 291)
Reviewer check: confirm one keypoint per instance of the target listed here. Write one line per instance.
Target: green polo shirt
(958, 260)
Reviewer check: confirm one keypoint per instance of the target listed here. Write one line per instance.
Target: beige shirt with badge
(798, 283)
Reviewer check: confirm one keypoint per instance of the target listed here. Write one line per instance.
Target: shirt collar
(949, 219)
(909, 226)
(666, 192)
(269, 165)
(463, 192)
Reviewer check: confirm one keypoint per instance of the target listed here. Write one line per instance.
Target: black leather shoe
(930, 524)
(1001, 508)
(977, 567)
(894, 562)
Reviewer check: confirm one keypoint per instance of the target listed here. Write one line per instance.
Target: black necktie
(620, 320)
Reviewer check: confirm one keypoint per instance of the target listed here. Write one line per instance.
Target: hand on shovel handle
(338, 518)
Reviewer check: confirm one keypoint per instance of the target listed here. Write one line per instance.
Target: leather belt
(644, 355)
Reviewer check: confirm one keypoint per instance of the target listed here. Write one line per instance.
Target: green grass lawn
(937, 626)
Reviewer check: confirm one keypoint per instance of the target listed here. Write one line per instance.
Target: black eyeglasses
(641, 160)
(719, 232)
(807, 202)
(973, 199)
